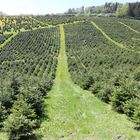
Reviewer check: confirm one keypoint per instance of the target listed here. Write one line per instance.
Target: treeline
(118, 9)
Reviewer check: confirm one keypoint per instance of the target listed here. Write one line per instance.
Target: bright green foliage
(122, 10)
(19, 23)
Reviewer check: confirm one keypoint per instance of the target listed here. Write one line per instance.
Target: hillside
(72, 78)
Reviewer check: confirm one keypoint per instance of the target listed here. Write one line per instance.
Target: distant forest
(116, 9)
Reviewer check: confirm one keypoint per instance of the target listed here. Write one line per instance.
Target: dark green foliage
(123, 94)
(136, 116)
(105, 93)
(131, 106)
(3, 115)
(4, 38)
(114, 72)
(137, 76)
(24, 115)
(87, 82)
(31, 53)
(15, 86)
(119, 32)
(27, 70)
(96, 88)
(22, 121)
(122, 10)
(59, 19)
(35, 98)
(134, 9)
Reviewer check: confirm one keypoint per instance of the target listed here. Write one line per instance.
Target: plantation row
(15, 24)
(55, 19)
(27, 69)
(135, 24)
(119, 32)
(111, 73)
(31, 53)
(3, 38)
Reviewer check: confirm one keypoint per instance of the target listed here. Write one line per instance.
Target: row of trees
(111, 73)
(119, 32)
(128, 9)
(21, 106)
(33, 53)
(59, 19)
(16, 24)
(27, 70)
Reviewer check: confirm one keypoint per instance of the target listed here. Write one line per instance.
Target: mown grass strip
(8, 40)
(75, 114)
(129, 27)
(109, 38)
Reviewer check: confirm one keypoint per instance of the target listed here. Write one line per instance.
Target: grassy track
(8, 40)
(75, 114)
(129, 27)
(111, 40)
(105, 35)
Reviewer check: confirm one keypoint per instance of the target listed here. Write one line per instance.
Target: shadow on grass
(137, 128)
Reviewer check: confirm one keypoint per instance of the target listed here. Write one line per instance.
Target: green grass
(3, 136)
(75, 114)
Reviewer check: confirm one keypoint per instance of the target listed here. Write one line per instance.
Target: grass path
(8, 40)
(34, 29)
(120, 45)
(108, 37)
(129, 28)
(75, 114)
